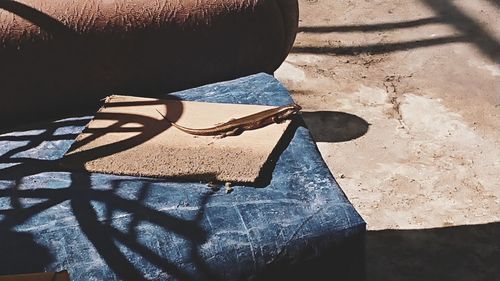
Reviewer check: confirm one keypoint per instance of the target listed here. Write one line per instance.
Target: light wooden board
(129, 137)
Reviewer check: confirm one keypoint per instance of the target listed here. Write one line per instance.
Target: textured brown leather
(59, 56)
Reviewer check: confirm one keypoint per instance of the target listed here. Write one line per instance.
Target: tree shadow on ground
(380, 48)
(460, 253)
(467, 26)
(470, 31)
(371, 27)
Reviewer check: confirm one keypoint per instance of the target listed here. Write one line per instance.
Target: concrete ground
(403, 99)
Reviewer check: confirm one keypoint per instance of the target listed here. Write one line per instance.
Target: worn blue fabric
(106, 227)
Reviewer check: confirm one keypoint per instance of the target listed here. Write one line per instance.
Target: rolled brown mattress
(62, 56)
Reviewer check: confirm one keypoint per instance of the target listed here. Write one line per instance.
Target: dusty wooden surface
(162, 150)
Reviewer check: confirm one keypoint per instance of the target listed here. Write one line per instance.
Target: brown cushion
(60, 56)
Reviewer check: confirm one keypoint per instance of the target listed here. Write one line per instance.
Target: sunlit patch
(10, 145)
(46, 180)
(24, 133)
(290, 72)
(304, 58)
(45, 150)
(30, 202)
(133, 125)
(66, 130)
(7, 165)
(494, 69)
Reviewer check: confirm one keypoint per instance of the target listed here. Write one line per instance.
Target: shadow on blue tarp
(127, 228)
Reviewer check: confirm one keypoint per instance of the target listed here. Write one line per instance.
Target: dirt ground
(403, 99)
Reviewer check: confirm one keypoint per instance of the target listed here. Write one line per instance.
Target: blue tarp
(107, 227)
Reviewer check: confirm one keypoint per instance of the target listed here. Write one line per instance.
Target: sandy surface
(130, 136)
(403, 99)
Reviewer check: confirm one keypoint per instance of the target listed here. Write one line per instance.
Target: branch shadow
(105, 236)
(381, 48)
(370, 27)
(149, 128)
(47, 23)
(460, 253)
(334, 126)
(26, 256)
(21, 251)
(447, 13)
(468, 27)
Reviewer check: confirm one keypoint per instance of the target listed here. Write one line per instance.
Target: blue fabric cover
(106, 227)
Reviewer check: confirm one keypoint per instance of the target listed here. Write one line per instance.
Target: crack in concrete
(391, 83)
